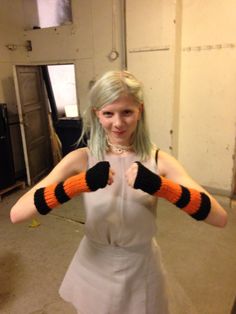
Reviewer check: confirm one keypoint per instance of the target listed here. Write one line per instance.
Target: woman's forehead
(125, 100)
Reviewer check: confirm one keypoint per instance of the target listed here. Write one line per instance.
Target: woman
(117, 267)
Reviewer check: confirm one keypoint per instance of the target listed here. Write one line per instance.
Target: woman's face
(119, 119)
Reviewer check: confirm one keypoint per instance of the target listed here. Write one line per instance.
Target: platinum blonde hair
(106, 90)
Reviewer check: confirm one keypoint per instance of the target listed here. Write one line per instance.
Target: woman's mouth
(118, 133)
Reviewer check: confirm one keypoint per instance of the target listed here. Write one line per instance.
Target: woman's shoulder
(167, 163)
(163, 156)
(81, 153)
(72, 164)
(77, 159)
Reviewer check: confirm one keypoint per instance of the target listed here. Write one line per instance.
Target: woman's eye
(127, 112)
(107, 114)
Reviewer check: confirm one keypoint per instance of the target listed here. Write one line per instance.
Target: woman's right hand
(99, 176)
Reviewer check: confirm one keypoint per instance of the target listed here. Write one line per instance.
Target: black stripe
(204, 208)
(40, 202)
(60, 194)
(147, 180)
(184, 198)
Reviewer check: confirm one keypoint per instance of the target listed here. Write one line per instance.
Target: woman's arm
(171, 169)
(73, 163)
(175, 185)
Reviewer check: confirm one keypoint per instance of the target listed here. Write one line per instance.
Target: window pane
(47, 13)
(63, 84)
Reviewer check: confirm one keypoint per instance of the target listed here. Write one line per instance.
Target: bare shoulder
(169, 166)
(72, 164)
(75, 161)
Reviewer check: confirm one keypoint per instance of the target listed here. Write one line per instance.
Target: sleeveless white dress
(117, 268)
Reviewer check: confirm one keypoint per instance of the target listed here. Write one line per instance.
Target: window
(47, 13)
(62, 79)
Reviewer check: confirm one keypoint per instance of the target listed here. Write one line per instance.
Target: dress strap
(156, 155)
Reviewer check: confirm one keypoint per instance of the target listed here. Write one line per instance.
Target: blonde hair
(106, 90)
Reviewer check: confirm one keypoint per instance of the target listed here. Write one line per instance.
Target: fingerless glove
(46, 198)
(196, 204)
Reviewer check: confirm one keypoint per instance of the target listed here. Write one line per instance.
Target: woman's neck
(119, 149)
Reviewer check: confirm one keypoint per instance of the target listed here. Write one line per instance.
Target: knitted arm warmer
(196, 204)
(46, 198)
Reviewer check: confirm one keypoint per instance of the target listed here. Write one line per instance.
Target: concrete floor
(200, 259)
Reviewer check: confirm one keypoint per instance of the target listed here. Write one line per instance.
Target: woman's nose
(118, 121)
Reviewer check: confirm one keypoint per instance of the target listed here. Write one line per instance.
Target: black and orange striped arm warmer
(196, 204)
(47, 198)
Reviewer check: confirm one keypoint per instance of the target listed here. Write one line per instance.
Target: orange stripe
(169, 190)
(195, 202)
(49, 196)
(76, 185)
(172, 192)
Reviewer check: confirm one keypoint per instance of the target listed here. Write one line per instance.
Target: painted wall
(11, 15)
(189, 90)
(87, 43)
(207, 95)
(151, 57)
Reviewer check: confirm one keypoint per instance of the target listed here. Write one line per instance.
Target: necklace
(118, 149)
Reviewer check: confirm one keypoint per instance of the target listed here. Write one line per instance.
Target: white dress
(117, 268)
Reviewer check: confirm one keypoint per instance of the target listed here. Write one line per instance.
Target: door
(33, 116)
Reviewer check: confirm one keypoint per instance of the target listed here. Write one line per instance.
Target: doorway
(35, 108)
